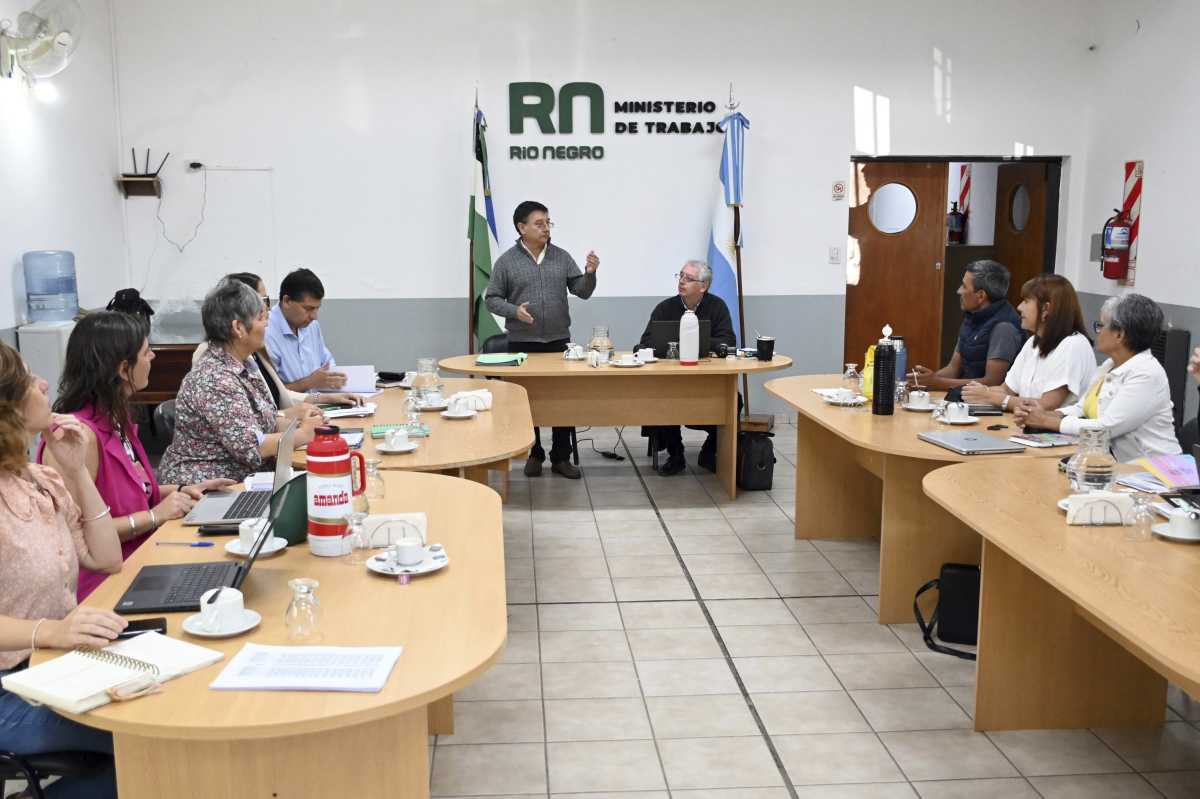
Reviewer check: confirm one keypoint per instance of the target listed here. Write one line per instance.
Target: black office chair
(164, 419)
(35, 768)
(499, 343)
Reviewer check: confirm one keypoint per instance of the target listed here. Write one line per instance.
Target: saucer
(968, 420)
(1163, 530)
(919, 408)
(411, 446)
(236, 548)
(650, 360)
(192, 625)
(850, 403)
(459, 414)
(620, 365)
(441, 406)
(433, 561)
(569, 358)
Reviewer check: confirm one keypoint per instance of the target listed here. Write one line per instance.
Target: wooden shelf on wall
(140, 186)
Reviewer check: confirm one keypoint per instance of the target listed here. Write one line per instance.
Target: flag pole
(737, 256)
(471, 242)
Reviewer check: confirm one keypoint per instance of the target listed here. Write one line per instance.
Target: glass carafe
(427, 382)
(303, 616)
(601, 343)
(851, 379)
(1092, 467)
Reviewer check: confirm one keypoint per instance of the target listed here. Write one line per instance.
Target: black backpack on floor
(755, 461)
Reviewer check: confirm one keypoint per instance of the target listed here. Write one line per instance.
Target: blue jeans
(29, 730)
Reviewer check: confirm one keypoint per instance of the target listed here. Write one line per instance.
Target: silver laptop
(966, 442)
(233, 507)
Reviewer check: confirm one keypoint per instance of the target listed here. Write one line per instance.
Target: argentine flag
(721, 244)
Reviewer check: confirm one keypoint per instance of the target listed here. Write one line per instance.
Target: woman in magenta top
(108, 359)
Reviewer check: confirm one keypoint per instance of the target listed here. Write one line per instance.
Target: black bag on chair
(956, 617)
(755, 461)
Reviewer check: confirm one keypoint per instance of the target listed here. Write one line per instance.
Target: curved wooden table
(1077, 626)
(859, 476)
(571, 393)
(190, 741)
(467, 448)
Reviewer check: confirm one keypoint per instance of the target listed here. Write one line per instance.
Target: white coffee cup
(957, 411)
(918, 399)
(397, 438)
(628, 360)
(1183, 526)
(223, 614)
(461, 406)
(646, 354)
(248, 532)
(407, 552)
(433, 397)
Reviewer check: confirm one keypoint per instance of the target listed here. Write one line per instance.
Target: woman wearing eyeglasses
(1129, 396)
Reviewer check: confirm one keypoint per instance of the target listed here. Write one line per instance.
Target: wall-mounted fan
(43, 40)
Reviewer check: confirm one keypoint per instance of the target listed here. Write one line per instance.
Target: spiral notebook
(79, 680)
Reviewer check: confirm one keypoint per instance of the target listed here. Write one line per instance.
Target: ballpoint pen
(183, 543)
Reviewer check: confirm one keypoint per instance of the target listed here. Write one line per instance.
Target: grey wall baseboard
(9, 336)
(1181, 316)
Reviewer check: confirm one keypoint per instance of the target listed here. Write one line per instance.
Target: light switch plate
(835, 255)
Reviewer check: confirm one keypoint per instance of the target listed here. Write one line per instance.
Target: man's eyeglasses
(547, 225)
(266, 301)
(683, 277)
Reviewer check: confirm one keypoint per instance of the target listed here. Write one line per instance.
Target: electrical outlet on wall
(835, 255)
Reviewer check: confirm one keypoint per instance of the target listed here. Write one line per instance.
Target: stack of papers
(1172, 471)
(1142, 481)
(308, 668)
(359, 380)
(502, 359)
(366, 409)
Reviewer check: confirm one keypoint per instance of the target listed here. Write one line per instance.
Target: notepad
(359, 380)
(366, 409)
(414, 431)
(257, 667)
(78, 681)
(1043, 439)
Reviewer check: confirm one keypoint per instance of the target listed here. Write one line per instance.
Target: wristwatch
(1004, 402)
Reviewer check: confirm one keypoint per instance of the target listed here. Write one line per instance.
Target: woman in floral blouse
(227, 424)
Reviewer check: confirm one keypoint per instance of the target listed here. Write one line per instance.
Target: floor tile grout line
(775, 756)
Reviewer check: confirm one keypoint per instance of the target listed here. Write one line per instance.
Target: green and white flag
(481, 230)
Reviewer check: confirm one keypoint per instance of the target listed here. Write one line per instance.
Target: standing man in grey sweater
(529, 289)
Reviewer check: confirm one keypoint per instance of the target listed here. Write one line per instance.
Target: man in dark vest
(990, 336)
(694, 279)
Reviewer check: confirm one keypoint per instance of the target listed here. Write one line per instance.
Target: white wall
(362, 112)
(1145, 87)
(57, 167)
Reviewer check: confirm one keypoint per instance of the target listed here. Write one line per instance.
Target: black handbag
(755, 460)
(955, 619)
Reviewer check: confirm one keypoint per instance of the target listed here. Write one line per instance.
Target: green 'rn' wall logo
(536, 101)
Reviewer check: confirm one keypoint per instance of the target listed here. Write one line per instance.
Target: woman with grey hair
(227, 423)
(1129, 395)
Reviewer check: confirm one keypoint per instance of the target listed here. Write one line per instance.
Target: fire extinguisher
(1114, 260)
(956, 225)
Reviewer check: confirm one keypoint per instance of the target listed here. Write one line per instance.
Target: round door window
(892, 208)
(1019, 208)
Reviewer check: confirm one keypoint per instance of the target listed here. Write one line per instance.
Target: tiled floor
(666, 642)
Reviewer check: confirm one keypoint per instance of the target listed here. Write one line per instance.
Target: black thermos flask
(883, 403)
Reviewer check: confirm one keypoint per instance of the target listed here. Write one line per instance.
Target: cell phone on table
(218, 529)
(135, 628)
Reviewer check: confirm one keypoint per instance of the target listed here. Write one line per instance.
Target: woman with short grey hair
(1129, 396)
(227, 423)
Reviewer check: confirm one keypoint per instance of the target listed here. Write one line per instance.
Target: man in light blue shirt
(294, 338)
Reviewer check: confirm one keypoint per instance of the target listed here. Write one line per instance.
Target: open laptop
(966, 442)
(233, 507)
(170, 588)
(662, 333)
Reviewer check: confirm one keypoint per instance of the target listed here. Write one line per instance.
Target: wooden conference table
(570, 393)
(190, 741)
(469, 448)
(1077, 626)
(859, 476)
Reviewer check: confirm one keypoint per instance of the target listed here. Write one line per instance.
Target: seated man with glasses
(694, 280)
(529, 289)
(294, 338)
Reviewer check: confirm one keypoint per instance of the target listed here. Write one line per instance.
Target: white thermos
(689, 339)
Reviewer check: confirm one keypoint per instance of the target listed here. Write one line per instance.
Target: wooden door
(1021, 247)
(899, 275)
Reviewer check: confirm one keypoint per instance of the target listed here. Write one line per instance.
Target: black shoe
(707, 460)
(566, 469)
(533, 466)
(674, 465)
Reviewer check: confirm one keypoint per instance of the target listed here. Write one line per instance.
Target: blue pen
(184, 543)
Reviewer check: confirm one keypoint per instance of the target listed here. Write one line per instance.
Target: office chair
(35, 768)
(499, 343)
(164, 419)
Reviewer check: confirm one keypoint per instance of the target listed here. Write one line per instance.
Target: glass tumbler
(1138, 527)
(303, 615)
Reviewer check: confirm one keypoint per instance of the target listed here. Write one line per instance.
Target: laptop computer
(175, 587)
(965, 442)
(233, 507)
(661, 333)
